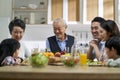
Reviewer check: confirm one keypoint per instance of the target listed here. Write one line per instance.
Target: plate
(56, 64)
(24, 64)
(23, 7)
(96, 65)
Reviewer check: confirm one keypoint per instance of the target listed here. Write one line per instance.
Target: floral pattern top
(8, 61)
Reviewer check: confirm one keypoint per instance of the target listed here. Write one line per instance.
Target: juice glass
(83, 59)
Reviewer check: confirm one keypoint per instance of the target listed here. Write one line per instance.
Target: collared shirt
(62, 44)
(101, 46)
(103, 56)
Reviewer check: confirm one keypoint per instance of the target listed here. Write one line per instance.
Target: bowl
(38, 60)
(32, 6)
(70, 61)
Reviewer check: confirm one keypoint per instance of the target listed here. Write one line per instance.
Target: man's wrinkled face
(59, 30)
(95, 30)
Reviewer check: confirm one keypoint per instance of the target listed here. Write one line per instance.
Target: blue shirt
(62, 44)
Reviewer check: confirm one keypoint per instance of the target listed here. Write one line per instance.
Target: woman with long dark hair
(108, 29)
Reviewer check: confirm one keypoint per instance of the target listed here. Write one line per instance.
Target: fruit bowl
(70, 60)
(38, 60)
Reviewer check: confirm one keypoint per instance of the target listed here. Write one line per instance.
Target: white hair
(60, 20)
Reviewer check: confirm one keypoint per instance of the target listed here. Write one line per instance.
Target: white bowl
(32, 6)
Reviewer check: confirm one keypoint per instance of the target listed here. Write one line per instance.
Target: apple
(57, 54)
(62, 52)
(76, 60)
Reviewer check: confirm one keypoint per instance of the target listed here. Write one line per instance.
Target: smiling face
(95, 29)
(111, 53)
(17, 33)
(59, 30)
(104, 34)
(15, 55)
(112, 47)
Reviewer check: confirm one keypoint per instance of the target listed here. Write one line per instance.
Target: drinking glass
(83, 56)
(103, 57)
(67, 50)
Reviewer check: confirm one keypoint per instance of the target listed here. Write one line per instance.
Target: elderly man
(60, 41)
(94, 51)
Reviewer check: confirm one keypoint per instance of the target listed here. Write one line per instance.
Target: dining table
(55, 72)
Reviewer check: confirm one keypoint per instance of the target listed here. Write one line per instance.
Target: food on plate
(25, 62)
(54, 59)
(94, 63)
(62, 53)
(49, 54)
(59, 58)
(57, 54)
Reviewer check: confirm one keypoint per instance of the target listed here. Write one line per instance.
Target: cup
(67, 49)
(35, 50)
(83, 58)
(103, 57)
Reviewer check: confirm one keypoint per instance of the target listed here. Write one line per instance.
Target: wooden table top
(59, 73)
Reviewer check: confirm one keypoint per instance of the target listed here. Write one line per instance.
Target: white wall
(4, 21)
(5, 8)
(37, 32)
(5, 13)
(41, 32)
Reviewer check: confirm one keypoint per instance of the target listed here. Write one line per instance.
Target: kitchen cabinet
(30, 11)
(72, 11)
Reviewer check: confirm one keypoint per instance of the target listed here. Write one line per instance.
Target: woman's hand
(93, 43)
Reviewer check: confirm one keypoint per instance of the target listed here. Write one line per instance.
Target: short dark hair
(98, 19)
(113, 42)
(16, 22)
(8, 47)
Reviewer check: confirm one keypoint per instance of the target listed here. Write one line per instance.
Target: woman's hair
(111, 27)
(113, 42)
(18, 23)
(8, 47)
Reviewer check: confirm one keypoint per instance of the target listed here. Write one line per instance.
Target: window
(66, 9)
(80, 11)
(93, 8)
